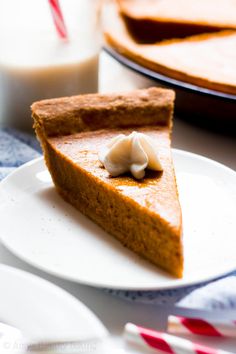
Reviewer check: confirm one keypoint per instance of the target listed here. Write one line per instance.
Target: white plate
(42, 229)
(42, 310)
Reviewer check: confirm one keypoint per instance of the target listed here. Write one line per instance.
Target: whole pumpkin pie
(144, 215)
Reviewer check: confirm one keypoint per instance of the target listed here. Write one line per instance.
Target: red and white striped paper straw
(185, 325)
(166, 343)
(58, 19)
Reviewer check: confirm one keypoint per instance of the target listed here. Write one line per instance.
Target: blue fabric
(215, 295)
(17, 148)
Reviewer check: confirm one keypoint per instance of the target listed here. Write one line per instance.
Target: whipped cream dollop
(130, 153)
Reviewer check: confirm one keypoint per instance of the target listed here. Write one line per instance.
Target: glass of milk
(36, 64)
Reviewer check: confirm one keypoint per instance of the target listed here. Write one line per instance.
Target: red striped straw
(165, 343)
(184, 325)
(58, 19)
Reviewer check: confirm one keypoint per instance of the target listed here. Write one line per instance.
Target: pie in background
(150, 21)
(206, 60)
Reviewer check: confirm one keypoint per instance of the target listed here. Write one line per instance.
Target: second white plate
(42, 229)
(42, 311)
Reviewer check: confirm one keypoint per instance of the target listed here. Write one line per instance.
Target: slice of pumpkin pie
(110, 157)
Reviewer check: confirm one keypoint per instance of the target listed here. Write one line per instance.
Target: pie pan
(212, 109)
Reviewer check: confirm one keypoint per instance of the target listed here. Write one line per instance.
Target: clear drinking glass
(36, 64)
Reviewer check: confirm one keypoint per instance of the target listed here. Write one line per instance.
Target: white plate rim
(172, 284)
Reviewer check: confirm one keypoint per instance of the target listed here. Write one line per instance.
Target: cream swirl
(130, 153)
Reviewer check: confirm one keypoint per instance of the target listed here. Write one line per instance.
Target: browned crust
(124, 44)
(94, 111)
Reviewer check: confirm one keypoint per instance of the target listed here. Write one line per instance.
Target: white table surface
(113, 311)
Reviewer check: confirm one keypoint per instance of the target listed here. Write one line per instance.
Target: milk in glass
(36, 64)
